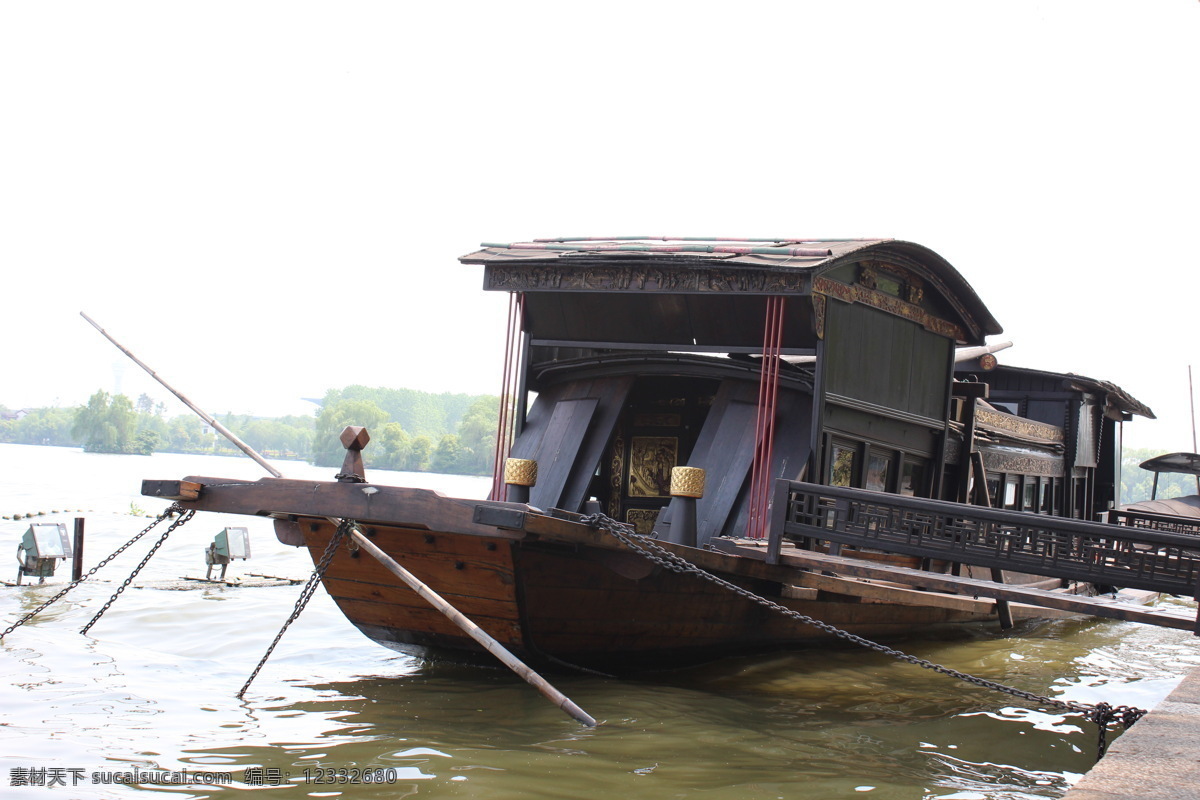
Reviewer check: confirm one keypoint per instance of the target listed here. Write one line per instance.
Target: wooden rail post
(77, 554)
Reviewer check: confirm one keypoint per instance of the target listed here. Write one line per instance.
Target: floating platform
(186, 583)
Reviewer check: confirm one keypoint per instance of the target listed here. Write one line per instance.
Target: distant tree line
(410, 430)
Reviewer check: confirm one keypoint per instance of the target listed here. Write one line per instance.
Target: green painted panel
(885, 360)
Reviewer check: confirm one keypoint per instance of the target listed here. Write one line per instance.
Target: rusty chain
(1102, 714)
(306, 594)
(184, 517)
(172, 510)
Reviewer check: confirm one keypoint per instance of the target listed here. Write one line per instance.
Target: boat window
(993, 483)
(888, 285)
(1029, 495)
(1047, 495)
(1010, 492)
(879, 467)
(842, 464)
(912, 478)
(1011, 408)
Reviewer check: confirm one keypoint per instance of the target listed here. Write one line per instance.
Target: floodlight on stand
(44, 544)
(229, 544)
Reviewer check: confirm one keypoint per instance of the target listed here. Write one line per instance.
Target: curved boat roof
(1188, 506)
(901, 277)
(1184, 463)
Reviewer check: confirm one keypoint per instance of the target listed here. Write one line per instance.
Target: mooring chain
(343, 530)
(1102, 713)
(173, 509)
(184, 517)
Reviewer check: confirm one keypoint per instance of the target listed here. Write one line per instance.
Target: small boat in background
(1183, 509)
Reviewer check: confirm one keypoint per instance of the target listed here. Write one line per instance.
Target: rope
(1102, 714)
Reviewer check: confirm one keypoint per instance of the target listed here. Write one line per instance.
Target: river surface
(152, 686)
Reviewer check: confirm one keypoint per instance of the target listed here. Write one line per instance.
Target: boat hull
(583, 604)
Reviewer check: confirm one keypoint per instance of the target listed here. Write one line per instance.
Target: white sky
(264, 200)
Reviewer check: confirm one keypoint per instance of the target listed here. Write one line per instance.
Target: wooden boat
(1179, 514)
(808, 386)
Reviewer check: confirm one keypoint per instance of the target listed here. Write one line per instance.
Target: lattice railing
(1042, 545)
(1156, 522)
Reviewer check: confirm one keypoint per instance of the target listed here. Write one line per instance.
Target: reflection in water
(152, 686)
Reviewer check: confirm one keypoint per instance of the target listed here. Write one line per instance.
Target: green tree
(447, 456)
(145, 405)
(145, 442)
(45, 426)
(106, 424)
(185, 435)
(391, 448)
(420, 453)
(477, 436)
(327, 446)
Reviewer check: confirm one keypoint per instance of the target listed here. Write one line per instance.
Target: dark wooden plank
(1094, 606)
(364, 502)
(610, 394)
(426, 621)
(702, 451)
(879, 593)
(726, 459)
(171, 490)
(454, 566)
(574, 535)
(401, 600)
(793, 423)
(559, 446)
(527, 444)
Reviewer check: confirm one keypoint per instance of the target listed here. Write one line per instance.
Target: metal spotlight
(44, 544)
(229, 544)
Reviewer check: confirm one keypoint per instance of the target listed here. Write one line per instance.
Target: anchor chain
(184, 517)
(172, 510)
(306, 594)
(1102, 714)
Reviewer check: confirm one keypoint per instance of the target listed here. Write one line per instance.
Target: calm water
(152, 686)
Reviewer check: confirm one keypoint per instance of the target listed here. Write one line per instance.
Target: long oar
(474, 631)
(429, 595)
(245, 448)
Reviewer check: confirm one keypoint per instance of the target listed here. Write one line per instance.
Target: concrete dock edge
(1157, 759)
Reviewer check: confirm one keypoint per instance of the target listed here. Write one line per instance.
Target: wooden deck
(947, 590)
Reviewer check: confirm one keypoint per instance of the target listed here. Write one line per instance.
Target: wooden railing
(1156, 522)
(1115, 555)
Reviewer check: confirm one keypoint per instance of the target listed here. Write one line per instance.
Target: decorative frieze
(818, 301)
(1018, 426)
(862, 293)
(593, 278)
(1021, 463)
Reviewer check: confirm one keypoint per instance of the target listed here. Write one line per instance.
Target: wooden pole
(474, 631)
(1192, 400)
(245, 448)
(430, 596)
(77, 554)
